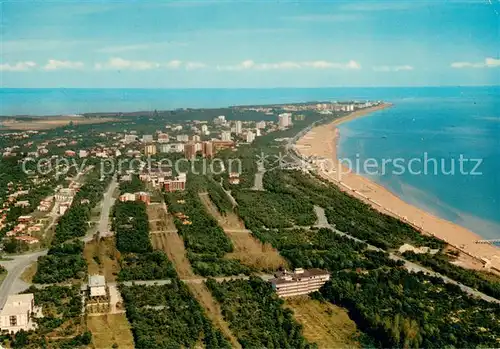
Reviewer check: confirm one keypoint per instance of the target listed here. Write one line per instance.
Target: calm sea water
(444, 127)
(442, 122)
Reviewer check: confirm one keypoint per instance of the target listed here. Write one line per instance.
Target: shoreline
(322, 141)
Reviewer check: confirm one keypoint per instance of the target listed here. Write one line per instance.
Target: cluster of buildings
(138, 196)
(25, 228)
(158, 178)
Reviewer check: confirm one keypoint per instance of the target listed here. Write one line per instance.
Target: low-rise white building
(18, 312)
(97, 285)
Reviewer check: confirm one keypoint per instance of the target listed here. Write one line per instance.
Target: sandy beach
(321, 142)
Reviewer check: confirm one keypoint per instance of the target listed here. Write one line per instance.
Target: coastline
(321, 142)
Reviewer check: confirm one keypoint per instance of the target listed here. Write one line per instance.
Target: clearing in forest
(173, 245)
(213, 310)
(102, 257)
(247, 249)
(168, 240)
(164, 237)
(110, 329)
(324, 323)
(227, 221)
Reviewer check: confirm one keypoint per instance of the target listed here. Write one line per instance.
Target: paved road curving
(12, 283)
(410, 266)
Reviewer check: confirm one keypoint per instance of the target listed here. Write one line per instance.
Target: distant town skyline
(191, 44)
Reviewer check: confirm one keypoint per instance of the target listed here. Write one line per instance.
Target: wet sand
(321, 142)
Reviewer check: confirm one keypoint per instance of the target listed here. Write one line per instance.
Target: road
(410, 266)
(106, 204)
(12, 283)
(197, 280)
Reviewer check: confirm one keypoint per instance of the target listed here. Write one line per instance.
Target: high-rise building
(196, 138)
(204, 129)
(190, 150)
(238, 126)
(147, 138)
(163, 138)
(250, 136)
(260, 124)
(285, 120)
(257, 132)
(150, 149)
(176, 184)
(182, 138)
(129, 138)
(220, 120)
(207, 149)
(225, 136)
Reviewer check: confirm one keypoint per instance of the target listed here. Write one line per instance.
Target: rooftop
(298, 275)
(18, 303)
(97, 280)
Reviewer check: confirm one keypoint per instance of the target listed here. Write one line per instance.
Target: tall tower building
(207, 149)
(238, 127)
(190, 150)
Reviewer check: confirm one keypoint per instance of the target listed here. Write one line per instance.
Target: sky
(191, 44)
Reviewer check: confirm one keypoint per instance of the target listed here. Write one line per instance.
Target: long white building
(300, 282)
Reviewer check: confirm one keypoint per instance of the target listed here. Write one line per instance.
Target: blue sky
(249, 43)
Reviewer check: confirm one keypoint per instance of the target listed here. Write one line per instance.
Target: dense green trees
(347, 213)
(138, 260)
(133, 186)
(256, 315)
(132, 227)
(204, 239)
(218, 196)
(59, 268)
(168, 316)
(488, 284)
(393, 307)
(146, 266)
(399, 309)
(273, 210)
(322, 248)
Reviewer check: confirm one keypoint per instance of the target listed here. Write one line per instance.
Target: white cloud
(19, 66)
(123, 64)
(54, 64)
(175, 64)
(492, 62)
(281, 65)
(194, 65)
(396, 68)
(287, 65)
(248, 64)
(488, 63)
(353, 65)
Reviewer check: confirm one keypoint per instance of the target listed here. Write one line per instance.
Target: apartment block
(299, 282)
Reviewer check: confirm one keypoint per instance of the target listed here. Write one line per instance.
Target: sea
(437, 148)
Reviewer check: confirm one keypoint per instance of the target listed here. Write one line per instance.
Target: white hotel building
(299, 282)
